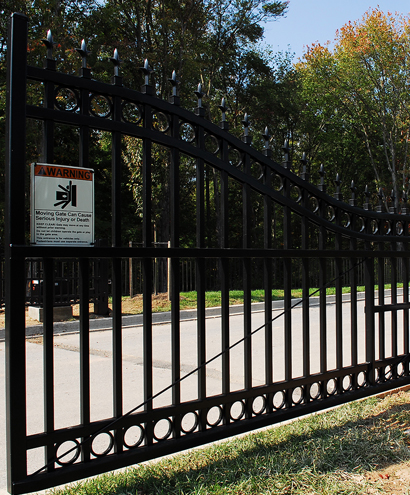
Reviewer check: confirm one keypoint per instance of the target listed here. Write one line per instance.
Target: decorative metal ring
(333, 388)
(387, 227)
(215, 423)
(167, 434)
(362, 227)
(160, 122)
(280, 404)
(234, 157)
(131, 112)
(330, 211)
(77, 449)
(211, 144)
(187, 132)
(346, 220)
(260, 410)
(314, 204)
(314, 394)
(193, 428)
(107, 449)
(241, 414)
(374, 226)
(100, 106)
(361, 379)
(297, 395)
(67, 102)
(298, 195)
(399, 228)
(347, 386)
(140, 439)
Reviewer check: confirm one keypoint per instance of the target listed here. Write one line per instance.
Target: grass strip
(347, 450)
(188, 300)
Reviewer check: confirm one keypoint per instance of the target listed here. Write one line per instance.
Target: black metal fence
(263, 368)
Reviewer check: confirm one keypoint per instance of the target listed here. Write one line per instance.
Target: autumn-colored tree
(362, 84)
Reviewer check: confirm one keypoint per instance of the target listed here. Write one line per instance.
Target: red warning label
(62, 172)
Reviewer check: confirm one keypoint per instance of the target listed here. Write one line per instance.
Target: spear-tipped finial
(266, 136)
(246, 123)
(366, 205)
(353, 188)
(322, 173)
(286, 160)
(338, 195)
(199, 94)
(83, 53)
(392, 208)
(304, 161)
(223, 108)
(147, 71)
(174, 83)
(115, 59)
(49, 42)
(380, 195)
(404, 210)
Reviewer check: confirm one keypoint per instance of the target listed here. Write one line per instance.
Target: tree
(363, 85)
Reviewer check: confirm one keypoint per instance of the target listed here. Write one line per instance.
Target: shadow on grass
(324, 453)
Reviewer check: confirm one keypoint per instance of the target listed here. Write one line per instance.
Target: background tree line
(346, 107)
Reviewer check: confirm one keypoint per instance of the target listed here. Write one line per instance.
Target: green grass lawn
(347, 450)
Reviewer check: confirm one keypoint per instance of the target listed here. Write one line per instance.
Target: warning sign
(62, 205)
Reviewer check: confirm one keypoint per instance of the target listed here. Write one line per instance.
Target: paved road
(67, 411)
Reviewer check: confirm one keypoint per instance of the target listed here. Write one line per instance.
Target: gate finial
(379, 207)
(224, 124)
(266, 136)
(338, 194)
(147, 88)
(322, 173)
(49, 44)
(49, 62)
(366, 205)
(200, 110)
(404, 210)
(174, 83)
(286, 161)
(353, 188)
(246, 123)
(393, 208)
(304, 161)
(85, 72)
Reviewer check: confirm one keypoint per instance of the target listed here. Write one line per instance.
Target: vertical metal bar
(287, 289)
(267, 282)
(305, 295)
(406, 321)
(116, 268)
(353, 308)
(48, 357)
(147, 236)
(200, 274)
(247, 281)
(394, 342)
(369, 314)
(175, 282)
(322, 301)
(84, 273)
(381, 283)
(224, 274)
(15, 349)
(339, 308)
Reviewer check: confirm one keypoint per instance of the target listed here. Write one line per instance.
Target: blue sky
(308, 21)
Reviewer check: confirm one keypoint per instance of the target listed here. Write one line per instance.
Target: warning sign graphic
(62, 205)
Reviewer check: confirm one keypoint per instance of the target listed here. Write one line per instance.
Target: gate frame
(16, 251)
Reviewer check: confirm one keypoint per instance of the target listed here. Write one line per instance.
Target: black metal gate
(309, 361)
